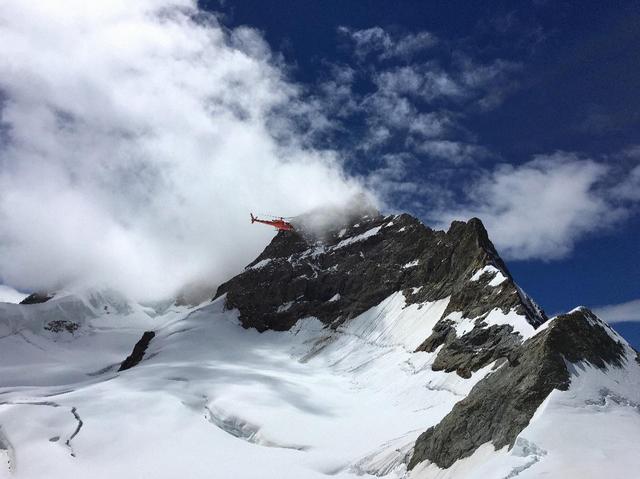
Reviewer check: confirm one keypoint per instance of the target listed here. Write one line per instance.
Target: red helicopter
(278, 223)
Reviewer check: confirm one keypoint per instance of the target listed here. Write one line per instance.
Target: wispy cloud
(427, 82)
(455, 152)
(411, 91)
(384, 45)
(629, 188)
(540, 209)
(617, 313)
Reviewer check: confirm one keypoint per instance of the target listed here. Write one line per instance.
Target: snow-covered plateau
(213, 398)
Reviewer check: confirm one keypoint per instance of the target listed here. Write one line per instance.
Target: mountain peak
(37, 298)
(367, 260)
(477, 317)
(522, 380)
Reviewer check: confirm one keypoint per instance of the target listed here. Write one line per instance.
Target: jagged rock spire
(366, 261)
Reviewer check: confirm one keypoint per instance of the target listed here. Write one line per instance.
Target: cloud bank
(541, 208)
(135, 139)
(617, 313)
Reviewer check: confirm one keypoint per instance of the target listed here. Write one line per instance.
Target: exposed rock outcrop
(355, 268)
(138, 351)
(474, 350)
(500, 406)
(60, 325)
(37, 298)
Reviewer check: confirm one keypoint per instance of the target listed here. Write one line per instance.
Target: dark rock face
(500, 406)
(36, 298)
(60, 325)
(138, 351)
(443, 332)
(356, 268)
(476, 349)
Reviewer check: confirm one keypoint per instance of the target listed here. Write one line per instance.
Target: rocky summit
(355, 267)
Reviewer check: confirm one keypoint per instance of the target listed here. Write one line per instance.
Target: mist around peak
(328, 219)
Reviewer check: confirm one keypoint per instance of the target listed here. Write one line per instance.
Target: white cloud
(398, 113)
(404, 99)
(541, 208)
(369, 40)
(399, 81)
(475, 75)
(454, 152)
(413, 43)
(616, 313)
(391, 177)
(629, 188)
(425, 81)
(336, 93)
(138, 136)
(399, 189)
(376, 40)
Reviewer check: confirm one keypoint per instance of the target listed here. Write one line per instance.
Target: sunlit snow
(360, 237)
(212, 399)
(10, 295)
(498, 277)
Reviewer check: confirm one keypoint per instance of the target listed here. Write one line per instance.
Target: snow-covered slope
(371, 386)
(10, 295)
(212, 399)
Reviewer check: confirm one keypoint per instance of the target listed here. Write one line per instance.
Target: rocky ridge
(358, 264)
(500, 406)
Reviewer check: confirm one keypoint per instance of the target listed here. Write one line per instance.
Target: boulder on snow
(37, 298)
(138, 351)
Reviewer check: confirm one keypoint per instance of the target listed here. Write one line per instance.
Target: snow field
(212, 399)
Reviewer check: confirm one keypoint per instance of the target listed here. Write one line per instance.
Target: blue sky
(525, 114)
